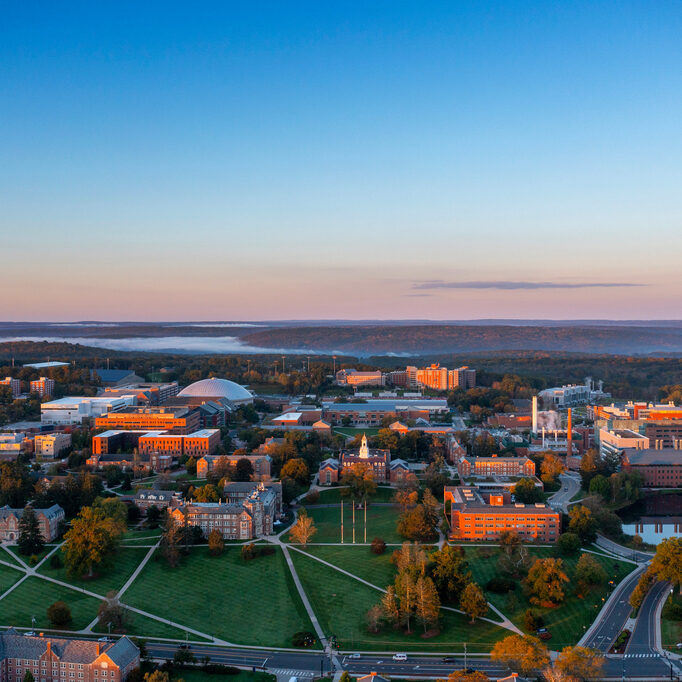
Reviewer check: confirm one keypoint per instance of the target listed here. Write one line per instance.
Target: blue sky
(296, 160)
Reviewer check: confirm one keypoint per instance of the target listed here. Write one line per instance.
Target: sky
(297, 160)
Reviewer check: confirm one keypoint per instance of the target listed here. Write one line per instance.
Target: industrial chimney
(569, 433)
(535, 414)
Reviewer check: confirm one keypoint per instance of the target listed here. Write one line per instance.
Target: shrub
(500, 585)
(303, 639)
(33, 560)
(59, 614)
(532, 620)
(313, 497)
(56, 561)
(378, 546)
(248, 551)
(568, 543)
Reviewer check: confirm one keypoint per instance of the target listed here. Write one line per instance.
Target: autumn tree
(521, 652)
(297, 469)
(473, 602)
(156, 676)
(216, 544)
(207, 493)
(667, 562)
(551, 468)
(374, 617)
(391, 607)
(406, 494)
(359, 482)
(545, 582)
(513, 558)
(304, 528)
(467, 676)
(30, 536)
(417, 524)
(589, 572)
(378, 546)
(427, 602)
(171, 541)
(431, 508)
(646, 580)
(90, 542)
(113, 508)
(450, 572)
(580, 663)
(410, 558)
(406, 592)
(582, 523)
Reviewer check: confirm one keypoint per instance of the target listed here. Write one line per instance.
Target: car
(543, 633)
(355, 655)
(448, 659)
(565, 490)
(399, 657)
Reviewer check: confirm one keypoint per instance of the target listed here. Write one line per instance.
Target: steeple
(364, 450)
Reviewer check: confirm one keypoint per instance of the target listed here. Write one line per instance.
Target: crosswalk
(652, 655)
(287, 672)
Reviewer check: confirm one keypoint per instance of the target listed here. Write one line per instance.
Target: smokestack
(535, 414)
(569, 434)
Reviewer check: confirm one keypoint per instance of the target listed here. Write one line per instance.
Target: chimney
(49, 647)
(569, 434)
(97, 644)
(535, 414)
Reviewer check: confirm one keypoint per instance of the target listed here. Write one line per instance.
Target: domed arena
(219, 390)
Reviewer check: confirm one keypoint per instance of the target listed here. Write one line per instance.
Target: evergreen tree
(30, 537)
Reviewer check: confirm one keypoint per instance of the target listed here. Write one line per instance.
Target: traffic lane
(421, 667)
(614, 618)
(643, 638)
(636, 668)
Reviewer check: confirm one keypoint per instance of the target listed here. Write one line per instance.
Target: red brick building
(659, 468)
(480, 516)
(496, 466)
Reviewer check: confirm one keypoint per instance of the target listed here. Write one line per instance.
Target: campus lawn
(9, 556)
(671, 630)
(33, 597)
(245, 602)
(8, 576)
(341, 603)
(332, 495)
(374, 568)
(241, 676)
(568, 622)
(41, 555)
(381, 522)
(111, 577)
(141, 533)
(142, 626)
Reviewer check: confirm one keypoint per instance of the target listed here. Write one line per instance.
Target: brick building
(351, 377)
(13, 384)
(479, 516)
(43, 386)
(496, 466)
(49, 520)
(659, 468)
(52, 659)
(175, 420)
(49, 446)
(261, 464)
(162, 499)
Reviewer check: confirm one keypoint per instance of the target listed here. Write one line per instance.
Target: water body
(654, 518)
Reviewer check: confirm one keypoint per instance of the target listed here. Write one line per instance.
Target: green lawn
(33, 597)
(671, 630)
(242, 676)
(567, 623)
(8, 576)
(142, 626)
(113, 577)
(141, 533)
(376, 569)
(41, 555)
(381, 522)
(340, 603)
(332, 495)
(245, 602)
(9, 557)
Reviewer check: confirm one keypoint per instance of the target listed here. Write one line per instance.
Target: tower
(364, 449)
(535, 414)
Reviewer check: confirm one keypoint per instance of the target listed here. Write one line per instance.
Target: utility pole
(341, 521)
(465, 656)
(353, 503)
(334, 356)
(365, 520)
(283, 365)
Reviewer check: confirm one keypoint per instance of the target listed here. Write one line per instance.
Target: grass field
(384, 493)
(41, 555)
(568, 622)
(376, 569)
(340, 603)
(242, 676)
(9, 557)
(252, 602)
(33, 597)
(124, 562)
(381, 522)
(142, 626)
(8, 576)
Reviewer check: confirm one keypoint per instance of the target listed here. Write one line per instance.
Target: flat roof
(389, 405)
(653, 457)
(45, 365)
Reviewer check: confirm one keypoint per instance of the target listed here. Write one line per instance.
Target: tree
(30, 536)
(171, 540)
(113, 508)
(580, 662)
(467, 676)
(473, 602)
(374, 617)
(378, 546)
(59, 614)
(207, 493)
(568, 543)
(304, 528)
(599, 485)
(405, 590)
(111, 611)
(522, 652)
(297, 469)
(551, 468)
(427, 606)
(450, 572)
(513, 558)
(525, 491)
(347, 677)
(90, 542)
(216, 544)
(28, 677)
(243, 470)
(153, 516)
(545, 582)
(416, 524)
(191, 466)
(582, 523)
(391, 607)
(646, 580)
(589, 572)
(359, 482)
(667, 562)
(410, 558)
(156, 676)
(405, 499)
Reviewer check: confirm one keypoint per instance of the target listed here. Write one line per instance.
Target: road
(625, 552)
(570, 485)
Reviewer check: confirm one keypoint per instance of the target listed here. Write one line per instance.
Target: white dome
(217, 388)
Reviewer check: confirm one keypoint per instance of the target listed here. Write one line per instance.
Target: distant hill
(428, 339)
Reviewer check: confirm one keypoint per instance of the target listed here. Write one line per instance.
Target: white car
(356, 655)
(399, 657)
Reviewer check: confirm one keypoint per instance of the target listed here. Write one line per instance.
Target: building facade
(13, 384)
(261, 464)
(43, 386)
(659, 468)
(496, 466)
(49, 520)
(51, 445)
(175, 420)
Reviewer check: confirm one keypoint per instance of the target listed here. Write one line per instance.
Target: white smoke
(550, 420)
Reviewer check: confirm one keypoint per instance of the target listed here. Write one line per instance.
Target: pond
(654, 518)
